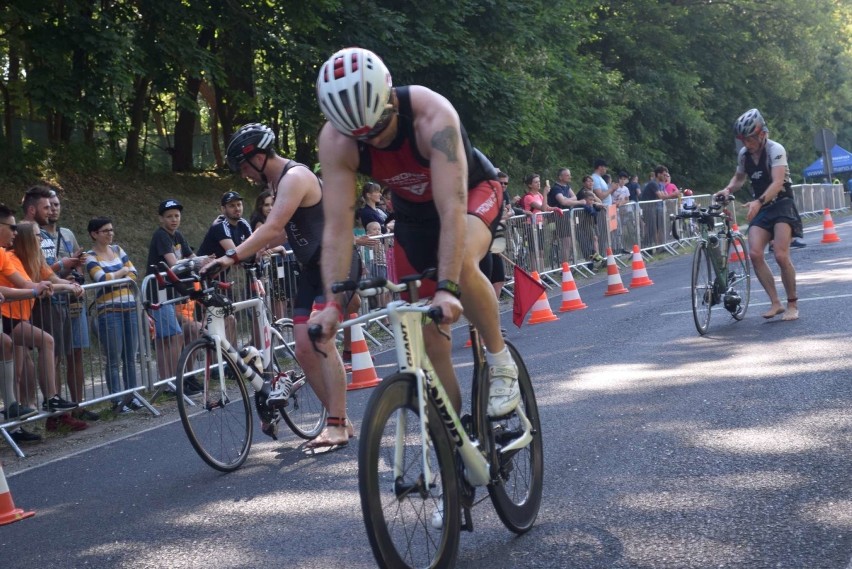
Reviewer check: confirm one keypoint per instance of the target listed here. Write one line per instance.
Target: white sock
(7, 381)
(502, 358)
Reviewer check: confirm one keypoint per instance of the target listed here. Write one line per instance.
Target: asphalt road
(663, 449)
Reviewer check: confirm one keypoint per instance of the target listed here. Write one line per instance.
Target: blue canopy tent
(841, 161)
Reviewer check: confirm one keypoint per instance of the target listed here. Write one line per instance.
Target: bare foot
(330, 437)
(792, 313)
(774, 311)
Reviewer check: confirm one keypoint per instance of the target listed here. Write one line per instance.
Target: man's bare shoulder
(335, 148)
(431, 107)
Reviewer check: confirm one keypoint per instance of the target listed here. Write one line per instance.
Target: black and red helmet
(250, 139)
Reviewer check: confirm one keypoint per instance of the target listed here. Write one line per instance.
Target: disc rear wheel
(518, 475)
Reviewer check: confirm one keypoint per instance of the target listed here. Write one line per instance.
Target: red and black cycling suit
(401, 168)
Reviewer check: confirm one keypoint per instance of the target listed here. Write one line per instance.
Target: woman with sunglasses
(27, 258)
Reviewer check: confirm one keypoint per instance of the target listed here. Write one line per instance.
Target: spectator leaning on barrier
(17, 292)
(655, 190)
(70, 258)
(262, 207)
(170, 246)
(27, 254)
(562, 196)
(634, 188)
(228, 232)
(621, 195)
(371, 194)
(587, 226)
(51, 314)
(118, 325)
(602, 189)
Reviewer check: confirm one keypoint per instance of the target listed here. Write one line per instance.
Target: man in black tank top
(297, 210)
(772, 215)
(446, 199)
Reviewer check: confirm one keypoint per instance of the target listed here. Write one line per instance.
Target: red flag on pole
(527, 291)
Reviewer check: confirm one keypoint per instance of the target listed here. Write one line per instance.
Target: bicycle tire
(702, 288)
(304, 413)
(219, 426)
(739, 277)
(517, 480)
(398, 509)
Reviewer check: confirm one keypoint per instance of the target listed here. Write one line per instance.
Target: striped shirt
(119, 297)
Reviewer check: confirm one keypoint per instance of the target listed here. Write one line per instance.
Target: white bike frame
(406, 322)
(214, 330)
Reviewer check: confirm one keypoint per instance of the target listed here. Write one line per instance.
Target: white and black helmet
(353, 90)
(250, 139)
(750, 123)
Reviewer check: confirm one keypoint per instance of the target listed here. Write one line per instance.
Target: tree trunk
(185, 124)
(132, 155)
(185, 129)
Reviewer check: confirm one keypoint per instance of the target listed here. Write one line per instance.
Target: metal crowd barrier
(813, 199)
(78, 369)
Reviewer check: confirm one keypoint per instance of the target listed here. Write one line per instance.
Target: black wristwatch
(450, 287)
(232, 254)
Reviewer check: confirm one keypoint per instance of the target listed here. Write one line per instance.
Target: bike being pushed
(721, 270)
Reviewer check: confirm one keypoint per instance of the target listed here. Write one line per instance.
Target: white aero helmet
(353, 90)
(750, 123)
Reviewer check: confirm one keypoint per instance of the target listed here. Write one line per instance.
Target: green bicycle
(721, 271)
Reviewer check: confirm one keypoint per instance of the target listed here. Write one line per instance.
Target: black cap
(229, 197)
(169, 204)
(599, 162)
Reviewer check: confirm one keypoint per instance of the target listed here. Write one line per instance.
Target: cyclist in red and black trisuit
(445, 197)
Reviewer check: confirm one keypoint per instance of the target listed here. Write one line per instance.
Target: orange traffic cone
(613, 279)
(541, 311)
(363, 371)
(829, 235)
(640, 273)
(737, 253)
(8, 512)
(570, 294)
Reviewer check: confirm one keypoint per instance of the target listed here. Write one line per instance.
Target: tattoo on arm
(446, 141)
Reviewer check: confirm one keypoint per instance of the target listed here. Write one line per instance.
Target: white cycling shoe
(438, 516)
(503, 392)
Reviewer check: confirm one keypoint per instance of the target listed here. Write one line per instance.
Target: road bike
(218, 420)
(420, 463)
(721, 270)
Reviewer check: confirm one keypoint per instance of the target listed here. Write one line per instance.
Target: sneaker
(796, 244)
(22, 437)
(120, 409)
(18, 411)
(54, 423)
(438, 516)
(503, 392)
(280, 394)
(85, 415)
(134, 405)
(56, 403)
